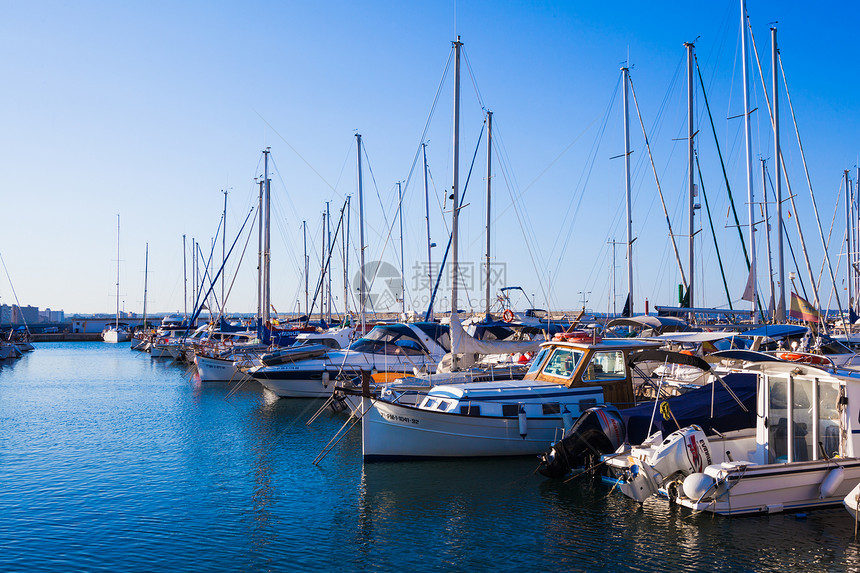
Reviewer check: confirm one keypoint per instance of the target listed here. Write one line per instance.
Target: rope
(713, 232)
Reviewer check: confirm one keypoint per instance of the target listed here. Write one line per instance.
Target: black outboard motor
(598, 431)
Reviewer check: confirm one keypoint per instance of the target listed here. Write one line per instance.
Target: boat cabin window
(510, 410)
(439, 333)
(807, 407)
(328, 342)
(606, 365)
(470, 410)
(395, 339)
(538, 361)
(562, 363)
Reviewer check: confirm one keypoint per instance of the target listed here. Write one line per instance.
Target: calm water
(111, 460)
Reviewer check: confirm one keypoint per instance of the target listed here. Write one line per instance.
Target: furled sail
(463, 343)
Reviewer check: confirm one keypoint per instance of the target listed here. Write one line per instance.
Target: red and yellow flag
(800, 308)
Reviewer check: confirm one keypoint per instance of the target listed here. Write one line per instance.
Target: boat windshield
(392, 339)
(536, 363)
(562, 363)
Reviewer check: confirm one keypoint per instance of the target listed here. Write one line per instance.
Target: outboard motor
(683, 452)
(597, 431)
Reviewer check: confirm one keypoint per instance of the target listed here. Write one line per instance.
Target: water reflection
(111, 460)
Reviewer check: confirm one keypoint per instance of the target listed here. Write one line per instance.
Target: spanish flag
(800, 308)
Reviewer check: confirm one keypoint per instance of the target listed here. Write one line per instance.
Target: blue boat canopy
(778, 330)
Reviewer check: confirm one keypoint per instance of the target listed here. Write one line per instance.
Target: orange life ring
(508, 315)
(804, 358)
(577, 336)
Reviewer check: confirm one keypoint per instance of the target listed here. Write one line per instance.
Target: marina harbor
(461, 287)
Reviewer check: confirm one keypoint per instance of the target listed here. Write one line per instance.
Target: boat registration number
(400, 419)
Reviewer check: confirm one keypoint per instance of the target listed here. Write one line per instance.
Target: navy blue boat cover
(694, 407)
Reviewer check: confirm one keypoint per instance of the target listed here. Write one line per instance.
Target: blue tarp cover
(694, 407)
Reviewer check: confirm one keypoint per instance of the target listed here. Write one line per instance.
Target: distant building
(25, 314)
(49, 315)
(5, 314)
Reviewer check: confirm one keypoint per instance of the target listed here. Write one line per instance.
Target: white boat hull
(393, 431)
(114, 336)
(774, 488)
(217, 369)
(159, 351)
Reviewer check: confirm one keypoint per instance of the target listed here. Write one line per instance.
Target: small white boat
(217, 359)
(116, 333)
(397, 348)
(802, 454)
(503, 417)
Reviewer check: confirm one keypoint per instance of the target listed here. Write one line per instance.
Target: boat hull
(393, 431)
(115, 336)
(159, 351)
(774, 488)
(217, 369)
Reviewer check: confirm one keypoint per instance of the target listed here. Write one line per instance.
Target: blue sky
(150, 110)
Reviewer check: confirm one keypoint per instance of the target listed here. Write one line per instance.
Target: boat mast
(402, 273)
(429, 244)
(848, 241)
(361, 286)
(305, 243)
(770, 306)
(346, 263)
(194, 271)
(455, 196)
(224, 252)
(145, 278)
(747, 139)
(267, 239)
(260, 255)
(625, 72)
(489, 195)
(853, 254)
(322, 269)
(328, 252)
(184, 280)
(780, 263)
(117, 271)
(690, 174)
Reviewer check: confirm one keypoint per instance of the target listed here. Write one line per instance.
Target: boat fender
(524, 425)
(699, 486)
(832, 482)
(567, 418)
(325, 378)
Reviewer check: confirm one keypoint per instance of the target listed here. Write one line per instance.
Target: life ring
(804, 358)
(508, 315)
(577, 336)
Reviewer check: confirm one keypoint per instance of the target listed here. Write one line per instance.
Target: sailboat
(116, 332)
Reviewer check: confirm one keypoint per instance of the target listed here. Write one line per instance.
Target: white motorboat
(216, 359)
(802, 454)
(503, 417)
(399, 348)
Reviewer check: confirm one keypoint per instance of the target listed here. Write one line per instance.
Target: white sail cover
(463, 343)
